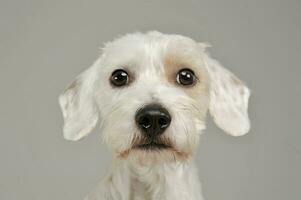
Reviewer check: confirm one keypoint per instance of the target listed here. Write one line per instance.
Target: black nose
(153, 119)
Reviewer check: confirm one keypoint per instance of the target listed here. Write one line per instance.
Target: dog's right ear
(78, 105)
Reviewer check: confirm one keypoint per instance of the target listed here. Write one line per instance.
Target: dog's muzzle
(153, 120)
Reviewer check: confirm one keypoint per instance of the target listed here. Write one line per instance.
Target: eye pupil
(119, 78)
(186, 77)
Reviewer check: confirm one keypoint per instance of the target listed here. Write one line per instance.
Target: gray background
(45, 44)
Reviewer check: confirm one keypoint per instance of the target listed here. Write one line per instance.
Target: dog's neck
(165, 181)
(129, 181)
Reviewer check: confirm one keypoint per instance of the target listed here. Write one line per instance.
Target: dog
(151, 92)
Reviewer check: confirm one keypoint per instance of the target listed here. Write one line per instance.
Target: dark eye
(186, 77)
(119, 78)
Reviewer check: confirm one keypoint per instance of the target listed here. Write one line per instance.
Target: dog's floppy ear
(228, 99)
(78, 107)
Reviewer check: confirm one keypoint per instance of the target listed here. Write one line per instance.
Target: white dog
(152, 92)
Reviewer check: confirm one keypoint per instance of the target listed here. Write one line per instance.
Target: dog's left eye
(119, 78)
(186, 77)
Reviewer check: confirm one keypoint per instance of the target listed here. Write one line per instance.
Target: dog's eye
(119, 78)
(186, 77)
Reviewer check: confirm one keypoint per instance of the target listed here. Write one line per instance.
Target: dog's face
(152, 92)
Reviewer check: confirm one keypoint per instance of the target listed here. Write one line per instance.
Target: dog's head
(152, 92)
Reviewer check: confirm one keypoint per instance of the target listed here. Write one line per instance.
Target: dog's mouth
(152, 146)
(154, 150)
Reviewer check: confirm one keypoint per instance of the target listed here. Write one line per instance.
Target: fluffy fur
(152, 61)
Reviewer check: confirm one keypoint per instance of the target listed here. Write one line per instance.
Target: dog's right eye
(119, 78)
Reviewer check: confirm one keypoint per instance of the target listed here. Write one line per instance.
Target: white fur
(152, 175)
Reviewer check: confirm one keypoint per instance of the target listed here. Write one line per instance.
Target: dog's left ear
(228, 99)
(78, 105)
